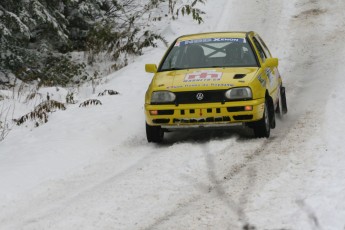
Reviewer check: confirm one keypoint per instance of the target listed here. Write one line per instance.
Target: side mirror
(151, 68)
(271, 62)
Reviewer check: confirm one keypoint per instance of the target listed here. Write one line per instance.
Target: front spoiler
(203, 126)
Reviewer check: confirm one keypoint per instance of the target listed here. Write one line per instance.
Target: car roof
(215, 35)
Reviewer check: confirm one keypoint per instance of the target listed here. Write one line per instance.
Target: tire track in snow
(66, 192)
(216, 189)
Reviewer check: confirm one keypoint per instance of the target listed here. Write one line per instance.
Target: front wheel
(154, 133)
(262, 128)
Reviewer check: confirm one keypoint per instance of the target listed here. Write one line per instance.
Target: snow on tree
(37, 35)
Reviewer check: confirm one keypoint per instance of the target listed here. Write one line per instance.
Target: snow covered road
(98, 171)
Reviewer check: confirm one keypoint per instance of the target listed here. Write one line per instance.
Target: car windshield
(209, 53)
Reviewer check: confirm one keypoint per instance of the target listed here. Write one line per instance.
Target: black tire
(262, 128)
(282, 106)
(283, 100)
(279, 109)
(154, 133)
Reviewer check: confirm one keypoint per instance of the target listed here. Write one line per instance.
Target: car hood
(203, 79)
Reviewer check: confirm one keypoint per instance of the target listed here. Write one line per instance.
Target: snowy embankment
(91, 168)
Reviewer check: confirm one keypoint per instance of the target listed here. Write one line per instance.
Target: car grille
(194, 97)
(202, 120)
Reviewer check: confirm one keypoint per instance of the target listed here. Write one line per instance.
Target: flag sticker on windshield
(210, 40)
(199, 76)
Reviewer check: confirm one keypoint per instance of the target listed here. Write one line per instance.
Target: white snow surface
(92, 168)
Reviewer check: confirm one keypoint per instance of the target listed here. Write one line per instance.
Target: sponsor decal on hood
(202, 76)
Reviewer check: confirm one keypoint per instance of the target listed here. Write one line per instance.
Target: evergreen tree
(36, 35)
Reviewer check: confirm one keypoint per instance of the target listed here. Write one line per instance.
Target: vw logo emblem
(200, 96)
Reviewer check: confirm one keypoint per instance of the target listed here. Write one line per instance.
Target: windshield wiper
(175, 68)
(214, 66)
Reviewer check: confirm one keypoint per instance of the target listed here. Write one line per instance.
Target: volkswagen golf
(214, 80)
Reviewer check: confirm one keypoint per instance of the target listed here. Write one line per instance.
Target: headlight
(162, 97)
(239, 93)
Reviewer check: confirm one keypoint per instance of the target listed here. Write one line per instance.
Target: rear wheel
(283, 100)
(154, 133)
(279, 109)
(282, 106)
(262, 128)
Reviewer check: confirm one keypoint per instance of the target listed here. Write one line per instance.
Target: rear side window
(263, 45)
(260, 49)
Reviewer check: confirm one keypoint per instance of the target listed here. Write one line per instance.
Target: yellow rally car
(214, 80)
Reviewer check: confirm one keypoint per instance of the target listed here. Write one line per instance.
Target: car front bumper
(204, 115)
